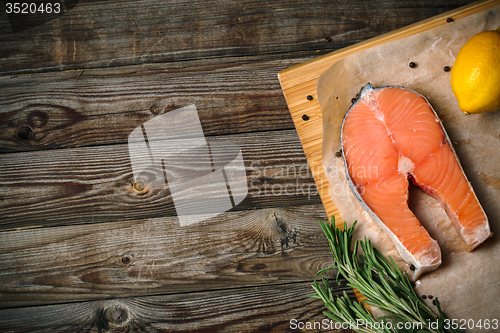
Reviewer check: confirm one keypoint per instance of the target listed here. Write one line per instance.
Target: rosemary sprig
(381, 282)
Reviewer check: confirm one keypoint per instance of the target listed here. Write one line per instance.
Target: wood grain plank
(103, 106)
(96, 184)
(94, 34)
(276, 308)
(157, 256)
(106, 239)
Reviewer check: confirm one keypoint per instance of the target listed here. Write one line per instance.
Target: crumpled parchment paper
(467, 284)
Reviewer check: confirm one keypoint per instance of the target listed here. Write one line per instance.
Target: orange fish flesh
(391, 135)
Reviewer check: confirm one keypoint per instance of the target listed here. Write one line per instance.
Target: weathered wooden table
(84, 245)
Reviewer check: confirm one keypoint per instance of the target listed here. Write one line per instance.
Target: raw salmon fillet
(389, 136)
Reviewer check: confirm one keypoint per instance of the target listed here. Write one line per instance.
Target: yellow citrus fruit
(475, 76)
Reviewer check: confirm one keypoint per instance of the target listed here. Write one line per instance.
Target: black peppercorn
(339, 153)
(449, 20)
(446, 68)
(412, 267)
(430, 297)
(305, 117)
(424, 297)
(434, 302)
(412, 64)
(309, 97)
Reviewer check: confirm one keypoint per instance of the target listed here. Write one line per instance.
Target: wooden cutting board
(299, 87)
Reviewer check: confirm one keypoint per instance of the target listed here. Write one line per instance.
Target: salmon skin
(392, 135)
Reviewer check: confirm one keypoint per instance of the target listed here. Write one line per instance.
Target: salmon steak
(391, 136)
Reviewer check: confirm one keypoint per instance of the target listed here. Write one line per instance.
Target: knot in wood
(113, 315)
(24, 132)
(279, 223)
(126, 260)
(154, 110)
(287, 236)
(139, 186)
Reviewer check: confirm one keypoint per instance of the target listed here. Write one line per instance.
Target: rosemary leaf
(381, 282)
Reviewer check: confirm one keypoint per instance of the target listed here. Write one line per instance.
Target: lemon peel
(475, 76)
